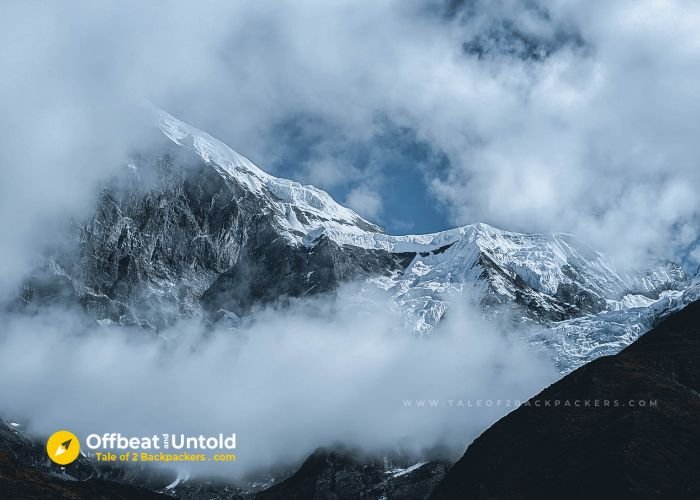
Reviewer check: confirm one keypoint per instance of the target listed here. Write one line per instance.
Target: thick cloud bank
(322, 373)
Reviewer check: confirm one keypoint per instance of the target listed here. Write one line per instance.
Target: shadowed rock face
(605, 452)
(174, 238)
(25, 483)
(343, 475)
(271, 270)
(27, 473)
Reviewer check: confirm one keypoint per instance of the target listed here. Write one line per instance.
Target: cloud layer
(322, 373)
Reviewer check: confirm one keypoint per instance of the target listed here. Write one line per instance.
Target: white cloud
(329, 172)
(365, 202)
(319, 374)
(595, 141)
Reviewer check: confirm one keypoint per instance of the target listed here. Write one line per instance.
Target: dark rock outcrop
(583, 447)
(26, 470)
(27, 473)
(343, 475)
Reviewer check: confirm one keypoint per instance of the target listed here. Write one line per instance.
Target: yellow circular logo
(63, 447)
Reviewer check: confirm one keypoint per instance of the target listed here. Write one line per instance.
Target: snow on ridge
(541, 260)
(339, 223)
(356, 236)
(306, 197)
(423, 290)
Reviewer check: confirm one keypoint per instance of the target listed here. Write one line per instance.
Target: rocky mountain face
(27, 473)
(26, 483)
(623, 449)
(345, 475)
(176, 238)
(191, 229)
(566, 298)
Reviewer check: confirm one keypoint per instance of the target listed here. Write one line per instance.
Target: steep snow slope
(555, 276)
(577, 341)
(305, 212)
(301, 208)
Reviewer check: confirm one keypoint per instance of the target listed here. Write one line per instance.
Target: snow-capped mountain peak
(552, 279)
(303, 209)
(218, 238)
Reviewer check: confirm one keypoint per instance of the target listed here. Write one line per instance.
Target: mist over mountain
(225, 286)
(200, 232)
(333, 228)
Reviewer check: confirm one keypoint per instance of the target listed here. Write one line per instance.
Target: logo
(63, 447)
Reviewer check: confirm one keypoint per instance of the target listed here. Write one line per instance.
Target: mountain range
(192, 229)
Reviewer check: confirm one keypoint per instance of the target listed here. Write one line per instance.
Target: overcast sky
(563, 115)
